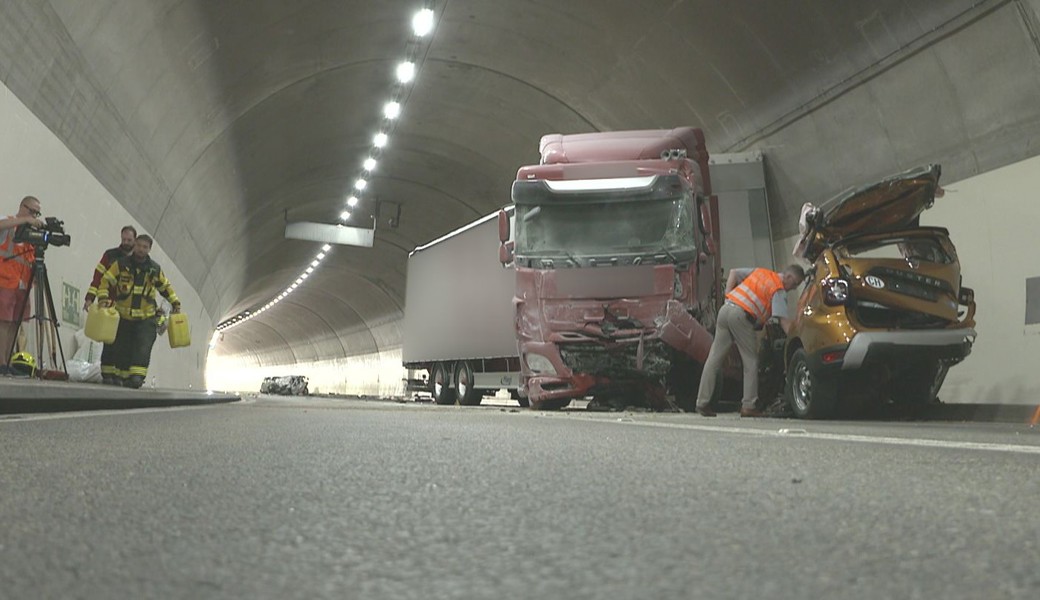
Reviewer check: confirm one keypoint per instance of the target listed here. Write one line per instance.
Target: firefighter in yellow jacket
(130, 284)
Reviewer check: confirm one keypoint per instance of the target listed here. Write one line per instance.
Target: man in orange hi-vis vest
(753, 296)
(15, 268)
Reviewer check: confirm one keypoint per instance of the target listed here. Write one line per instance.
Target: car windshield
(925, 249)
(602, 228)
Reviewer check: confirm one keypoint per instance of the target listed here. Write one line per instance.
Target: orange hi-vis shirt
(15, 261)
(755, 293)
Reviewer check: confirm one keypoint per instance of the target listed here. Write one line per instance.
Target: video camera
(52, 232)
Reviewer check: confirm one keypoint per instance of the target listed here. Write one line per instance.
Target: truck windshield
(615, 228)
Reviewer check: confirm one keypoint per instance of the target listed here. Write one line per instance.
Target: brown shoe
(705, 411)
(751, 412)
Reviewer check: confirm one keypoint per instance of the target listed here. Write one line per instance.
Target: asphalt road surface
(323, 498)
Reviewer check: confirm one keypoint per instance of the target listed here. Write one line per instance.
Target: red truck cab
(616, 262)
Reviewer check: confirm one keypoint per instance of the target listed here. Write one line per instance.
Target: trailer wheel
(468, 395)
(439, 382)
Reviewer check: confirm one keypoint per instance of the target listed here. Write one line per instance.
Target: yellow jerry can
(102, 324)
(178, 332)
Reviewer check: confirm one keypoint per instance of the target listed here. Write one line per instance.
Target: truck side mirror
(505, 253)
(503, 226)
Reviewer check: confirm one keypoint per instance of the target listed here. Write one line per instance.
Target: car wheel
(810, 395)
(439, 382)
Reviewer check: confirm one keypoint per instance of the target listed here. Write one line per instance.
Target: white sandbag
(87, 350)
(80, 370)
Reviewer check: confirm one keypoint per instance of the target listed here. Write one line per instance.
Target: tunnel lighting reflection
(392, 110)
(380, 140)
(422, 22)
(369, 164)
(406, 71)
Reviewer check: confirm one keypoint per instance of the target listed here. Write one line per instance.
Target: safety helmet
(24, 363)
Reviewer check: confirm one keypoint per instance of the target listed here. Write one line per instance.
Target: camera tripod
(46, 319)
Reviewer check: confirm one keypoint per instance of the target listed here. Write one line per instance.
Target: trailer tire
(468, 395)
(440, 381)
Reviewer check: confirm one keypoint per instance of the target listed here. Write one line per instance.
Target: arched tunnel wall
(195, 117)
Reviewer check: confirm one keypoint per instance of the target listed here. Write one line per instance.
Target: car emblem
(874, 282)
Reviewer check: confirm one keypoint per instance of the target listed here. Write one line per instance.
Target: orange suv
(882, 315)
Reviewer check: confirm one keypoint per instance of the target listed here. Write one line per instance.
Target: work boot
(110, 380)
(134, 381)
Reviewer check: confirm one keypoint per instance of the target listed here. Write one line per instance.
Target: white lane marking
(23, 417)
(802, 434)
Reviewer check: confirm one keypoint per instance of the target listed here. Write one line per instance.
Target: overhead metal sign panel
(330, 234)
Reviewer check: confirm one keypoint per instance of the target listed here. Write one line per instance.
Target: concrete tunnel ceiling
(210, 119)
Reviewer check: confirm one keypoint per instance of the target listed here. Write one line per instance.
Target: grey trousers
(732, 327)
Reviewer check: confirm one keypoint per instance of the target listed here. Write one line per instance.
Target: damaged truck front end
(607, 297)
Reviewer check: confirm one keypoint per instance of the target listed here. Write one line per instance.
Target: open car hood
(891, 204)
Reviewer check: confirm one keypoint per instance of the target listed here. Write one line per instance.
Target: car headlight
(835, 291)
(539, 364)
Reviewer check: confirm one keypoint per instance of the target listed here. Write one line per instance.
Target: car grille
(912, 284)
(876, 316)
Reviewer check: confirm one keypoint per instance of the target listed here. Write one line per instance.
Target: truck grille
(617, 361)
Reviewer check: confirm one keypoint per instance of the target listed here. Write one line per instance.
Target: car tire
(809, 394)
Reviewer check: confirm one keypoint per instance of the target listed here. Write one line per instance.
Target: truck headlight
(539, 364)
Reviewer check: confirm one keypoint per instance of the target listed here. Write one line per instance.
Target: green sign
(70, 304)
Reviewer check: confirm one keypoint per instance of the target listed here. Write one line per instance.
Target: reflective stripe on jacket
(132, 285)
(106, 261)
(15, 261)
(755, 293)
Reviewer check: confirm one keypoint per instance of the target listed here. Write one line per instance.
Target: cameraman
(15, 269)
(130, 283)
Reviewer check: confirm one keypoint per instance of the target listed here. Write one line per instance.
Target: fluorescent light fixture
(352, 201)
(327, 247)
(392, 110)
(406, 71)
(315, 263)
(320, 256)
(369, 164)
(380, 140)
(308, 271)
(345, 215)
(360, 184)
(299, 280)
(305, 275)
(422, 22)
